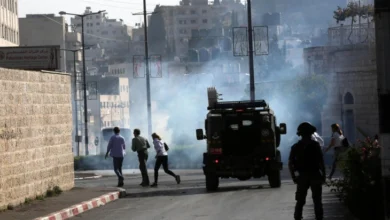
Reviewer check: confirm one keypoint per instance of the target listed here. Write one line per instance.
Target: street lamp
(148, 98)
(75, 97)
(84, 73)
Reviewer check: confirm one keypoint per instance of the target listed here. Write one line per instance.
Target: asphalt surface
(238, 200)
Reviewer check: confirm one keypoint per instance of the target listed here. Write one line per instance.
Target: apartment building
(48, 29)
(9, 24)
(181, 20)
(110, 34)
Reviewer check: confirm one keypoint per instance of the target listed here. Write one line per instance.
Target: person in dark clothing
(141, 146)
(307, 160)
(161, 159)
(116, 147)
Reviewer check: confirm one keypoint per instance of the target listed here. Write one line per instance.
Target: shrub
(360, 188)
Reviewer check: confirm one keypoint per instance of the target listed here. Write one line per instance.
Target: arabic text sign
(30, 58)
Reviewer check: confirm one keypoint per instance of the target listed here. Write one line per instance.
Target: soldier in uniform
(307, 160)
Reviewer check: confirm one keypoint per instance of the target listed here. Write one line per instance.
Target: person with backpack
(161, 159)
(339, 143)
(141, 146)
(307, 160)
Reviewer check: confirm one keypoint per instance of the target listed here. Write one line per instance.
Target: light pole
(84, 74)
(251, 62)
(148, 98)
(75, 97)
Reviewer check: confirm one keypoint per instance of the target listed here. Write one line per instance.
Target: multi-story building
(352, 75)
(48, 29)
(110, 34)
(181, 20)
(108, 106)
(9, 24)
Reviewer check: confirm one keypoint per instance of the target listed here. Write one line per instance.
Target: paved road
(235, 200)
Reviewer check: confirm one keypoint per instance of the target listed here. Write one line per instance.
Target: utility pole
(84, 73)
(148, 99)
(251, 61)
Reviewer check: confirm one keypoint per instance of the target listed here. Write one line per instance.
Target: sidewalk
(38, 208)
(129, 172)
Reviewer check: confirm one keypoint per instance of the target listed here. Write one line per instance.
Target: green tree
(157, 33)
(354, 10)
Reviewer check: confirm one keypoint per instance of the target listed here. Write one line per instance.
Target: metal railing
(351, 34)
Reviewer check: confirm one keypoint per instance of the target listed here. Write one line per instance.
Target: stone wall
(35, 134)
(351, 71)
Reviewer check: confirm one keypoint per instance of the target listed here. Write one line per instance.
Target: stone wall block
(35, 105)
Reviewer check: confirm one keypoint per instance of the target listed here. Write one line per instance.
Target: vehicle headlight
(265, 132)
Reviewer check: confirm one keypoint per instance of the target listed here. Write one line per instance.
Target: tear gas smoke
(180, 107)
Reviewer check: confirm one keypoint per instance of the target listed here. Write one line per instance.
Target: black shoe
(178, 179)
(153, 185)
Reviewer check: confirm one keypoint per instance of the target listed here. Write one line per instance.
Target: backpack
(166, 146)
(345, 142)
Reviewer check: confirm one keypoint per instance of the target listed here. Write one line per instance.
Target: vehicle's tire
(274, 179)
(212, 182)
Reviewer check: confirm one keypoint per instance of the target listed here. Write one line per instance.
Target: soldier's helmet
(306, 128)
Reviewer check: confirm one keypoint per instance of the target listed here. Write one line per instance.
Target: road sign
(240, 41)
(138, 66)
(155, 66)
(92, 90)
(30, 58)
(261, 42)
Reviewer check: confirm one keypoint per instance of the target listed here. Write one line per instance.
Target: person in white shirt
(318, 138)
(161, 159)
(336, 143)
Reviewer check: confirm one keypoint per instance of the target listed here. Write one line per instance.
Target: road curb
(89, 177)
(84, 206)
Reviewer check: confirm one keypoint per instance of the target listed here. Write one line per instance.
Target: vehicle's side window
(234, 127)
(247, 123)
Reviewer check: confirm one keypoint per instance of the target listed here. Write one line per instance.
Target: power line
(122, 2)
(107, 5)
(112, 39)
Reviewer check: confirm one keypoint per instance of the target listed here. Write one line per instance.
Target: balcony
(352, 35)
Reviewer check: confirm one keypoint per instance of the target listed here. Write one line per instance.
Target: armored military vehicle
(242, 140)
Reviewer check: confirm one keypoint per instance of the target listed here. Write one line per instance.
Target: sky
(118, 9)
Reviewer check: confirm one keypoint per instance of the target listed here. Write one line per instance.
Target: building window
(193, 21)
(193, 12)
(98, 23)
(204, 11)
(97, 16)
(348, 99)
(204, 21)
